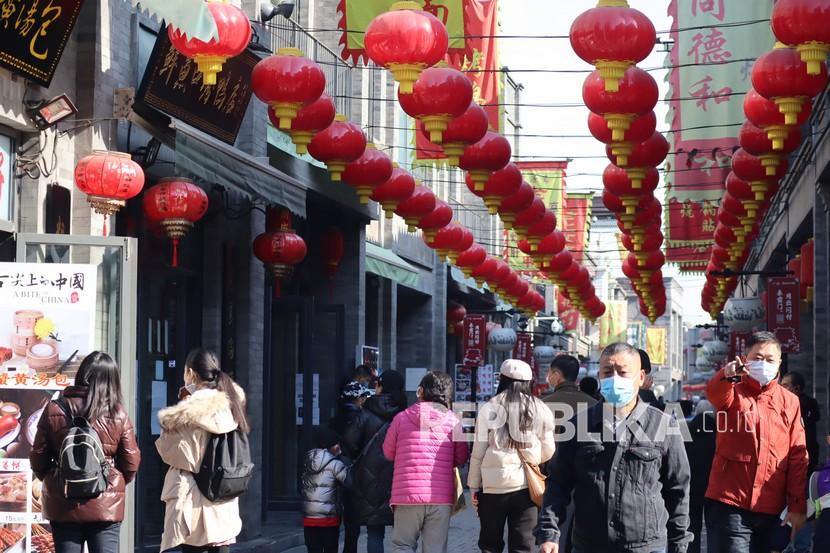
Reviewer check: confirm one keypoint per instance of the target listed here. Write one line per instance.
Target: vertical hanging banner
(523, 350)
(656, 344)
(613, 325)
(355, 16)
(474, 340)
(715, 44)
(782, 312)
(576, 223)
(737, 344)
(479, 60)
(567, 313)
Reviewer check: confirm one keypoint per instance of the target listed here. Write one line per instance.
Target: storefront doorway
(303, 360)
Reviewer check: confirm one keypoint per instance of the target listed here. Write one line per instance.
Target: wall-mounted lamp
(268, 11)
(48, 113)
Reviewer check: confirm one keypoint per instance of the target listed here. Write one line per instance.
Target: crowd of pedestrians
(621, 470)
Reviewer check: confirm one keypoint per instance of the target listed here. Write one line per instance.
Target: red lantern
(367, 172)
(464, 130)
(515, 204)
(287, 81)
(279, 247)
(612, 37)
(419, 204)
(541, 228)
(781, 76)
(313, 118)
(456, 313)
(440, 216)
(331, 246)
(618, 182)
(339, 144)
(650, 242)
(489, 154)
(175, 203)
(501, 184)
(406, 40)
(397, 188)
(560, 263)
(548, 247)
(446, 239)
(234, 31)
(644, 156)
(108, 179)
(803, 24)
(637, 96)
(439, 95)
(471, 258)
(528, 217)
(751, 169)
(755, 141)
(640, 130)
(466, 242)
(765, 114)
(484, 272)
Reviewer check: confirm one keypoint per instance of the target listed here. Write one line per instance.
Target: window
(6, 182)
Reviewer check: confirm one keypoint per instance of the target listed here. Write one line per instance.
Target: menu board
(47, 320)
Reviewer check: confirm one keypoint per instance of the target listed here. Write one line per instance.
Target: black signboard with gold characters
(33, 34)
(172, 84)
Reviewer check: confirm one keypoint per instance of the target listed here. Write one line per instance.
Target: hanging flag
(656, 344)
(567, 313)
(355, 16)
(576, 223)
(479, 59)
(613, 325)
(782, 312)
(715, 44)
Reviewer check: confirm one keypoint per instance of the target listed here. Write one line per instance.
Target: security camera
(268, 11)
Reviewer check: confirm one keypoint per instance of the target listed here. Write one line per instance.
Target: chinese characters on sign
(173, 84)
(523, 350)
(782, 312)
(33, 34)
(474, 340)
(737, 344)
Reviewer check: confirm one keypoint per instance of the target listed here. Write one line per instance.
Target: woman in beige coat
(212, 404)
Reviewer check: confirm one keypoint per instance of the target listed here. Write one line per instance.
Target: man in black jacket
(626, 467)
(794, 382)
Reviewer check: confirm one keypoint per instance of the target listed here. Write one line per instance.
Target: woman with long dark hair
(211, 403)
(96, 397)
(513, 428)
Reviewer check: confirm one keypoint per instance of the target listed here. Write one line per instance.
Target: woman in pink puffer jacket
(420, 442)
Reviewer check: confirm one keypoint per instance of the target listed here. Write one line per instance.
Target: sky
(553, 18)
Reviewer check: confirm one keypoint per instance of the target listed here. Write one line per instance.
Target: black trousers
(205, 549)
(322, 539)
(514, 509)
(99, 537)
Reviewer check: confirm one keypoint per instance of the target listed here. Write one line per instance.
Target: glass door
(115, 257)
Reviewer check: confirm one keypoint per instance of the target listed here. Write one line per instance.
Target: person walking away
(590, 386)
(93, 523)
(701, 451)
(564, 370)
(810, 415)
(422, 444)
(626, 468)
(760, 463)
(352, 397)
(371, 486)
(324, 474)
(512, 429)
(212, 403)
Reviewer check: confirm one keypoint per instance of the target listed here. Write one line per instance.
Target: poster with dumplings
(47, 325)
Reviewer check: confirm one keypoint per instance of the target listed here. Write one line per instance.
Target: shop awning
(216, 162)
(458, 276)
(388, 264)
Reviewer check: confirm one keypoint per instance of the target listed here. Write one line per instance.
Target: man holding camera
(760, 464)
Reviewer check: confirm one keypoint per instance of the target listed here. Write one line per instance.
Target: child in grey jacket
(323, 475)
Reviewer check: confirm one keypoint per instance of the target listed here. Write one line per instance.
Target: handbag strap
(370, 442)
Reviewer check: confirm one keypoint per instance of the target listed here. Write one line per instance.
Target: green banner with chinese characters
(355, 16)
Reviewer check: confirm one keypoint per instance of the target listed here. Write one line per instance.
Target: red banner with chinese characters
(567, 312)
(782, 312)
(474, 339)
(523, 349)
(480, 62)
(737, 344)
(714, 43)
(575, 223)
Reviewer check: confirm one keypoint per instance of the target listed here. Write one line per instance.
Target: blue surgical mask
(617, 390)
(762, 370)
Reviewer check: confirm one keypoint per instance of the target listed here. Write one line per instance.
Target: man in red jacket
(760, 464)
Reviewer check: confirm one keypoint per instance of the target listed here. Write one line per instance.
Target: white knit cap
(516, 369)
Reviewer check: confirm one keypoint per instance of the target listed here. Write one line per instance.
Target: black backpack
(83, 469)
(226, 467)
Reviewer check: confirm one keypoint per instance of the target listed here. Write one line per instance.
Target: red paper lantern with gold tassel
(175, 203)
(279, 247)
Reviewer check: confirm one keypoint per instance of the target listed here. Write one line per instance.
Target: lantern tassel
(175, 252)
(106, 218)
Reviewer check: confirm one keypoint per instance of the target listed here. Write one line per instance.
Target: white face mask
(763, 371)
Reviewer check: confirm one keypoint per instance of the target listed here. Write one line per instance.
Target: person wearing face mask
(760, 464)
(626, 468)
